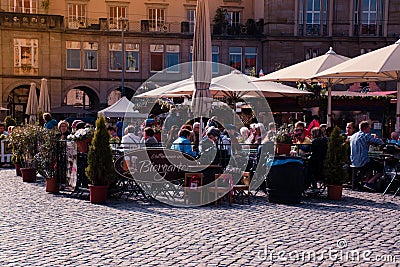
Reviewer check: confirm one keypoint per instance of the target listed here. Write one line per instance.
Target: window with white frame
(233, 18)
(73, 55)
(215, 59)
(156, 17)
(25, 56)
(191, 18)
(312, 53)
(132, 57)
(115, 50)
(172, 58)
(250, 60)
(116, 13)
(235, 57)
(368, 17)
(313, 17)
(156, 57)
(90, 55)
(76, 15)
(24, 6)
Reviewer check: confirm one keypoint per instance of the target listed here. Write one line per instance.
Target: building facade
(77, 44)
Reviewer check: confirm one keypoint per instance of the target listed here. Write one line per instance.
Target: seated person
(303, 143)
(130, 139)
(182, 143)
(319, 148)
(359, 146)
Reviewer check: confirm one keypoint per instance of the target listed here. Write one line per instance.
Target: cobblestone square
(40, 229)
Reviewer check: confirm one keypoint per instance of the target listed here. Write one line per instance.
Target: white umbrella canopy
(379, 65)
(202, 60)
(32, 104)
(306, 70)
(237, 84)
(229, 85)
(44, 98)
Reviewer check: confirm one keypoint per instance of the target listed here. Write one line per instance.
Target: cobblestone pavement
(40, 229)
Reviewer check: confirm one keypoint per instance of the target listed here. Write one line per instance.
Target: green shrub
(100, 169)
(335, 159)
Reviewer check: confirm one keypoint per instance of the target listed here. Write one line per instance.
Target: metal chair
(391, 172)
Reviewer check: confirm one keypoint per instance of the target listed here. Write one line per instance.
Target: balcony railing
(25, 20)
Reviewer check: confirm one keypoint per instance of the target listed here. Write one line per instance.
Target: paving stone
(40, 229)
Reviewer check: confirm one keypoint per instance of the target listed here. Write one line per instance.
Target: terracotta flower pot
(28, 175)
(335, 192)
(83, 145)
(18, 169)
(52, 185)
(98, 194)
(283, 149)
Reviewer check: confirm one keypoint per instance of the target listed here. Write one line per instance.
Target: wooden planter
(28, 175)
(283, 149)
(98, 194)
(52, 185)
(335, 192)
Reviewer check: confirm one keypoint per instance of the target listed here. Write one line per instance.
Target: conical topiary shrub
(100, 169)
(334, 172)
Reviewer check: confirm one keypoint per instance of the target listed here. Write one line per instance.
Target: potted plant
(24, 141)
(100, 169)
(220, 21)
(334, 172)
(46, 159)
(82, 138)
(284, 139)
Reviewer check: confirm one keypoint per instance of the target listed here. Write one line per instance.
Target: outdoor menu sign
(154, 165)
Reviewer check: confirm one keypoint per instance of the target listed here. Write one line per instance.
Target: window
(117, 12)
(156, 57)
(115, 56)
(157, 19)
(23, 6)
(368, 17)
(132, 57)
(215, 59)
(90, 55)
(73, 55)
(233, 18)
(172, 58)
(312, 53)
(250, 60)
(235, 57)
(191, 18)
(26, 56)
(312, 17)
(76, 16)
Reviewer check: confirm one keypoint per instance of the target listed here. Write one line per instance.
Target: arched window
(313, 17)
(368, 17)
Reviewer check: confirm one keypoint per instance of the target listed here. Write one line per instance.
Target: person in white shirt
(130, 139)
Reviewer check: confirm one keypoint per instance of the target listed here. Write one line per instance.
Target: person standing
(63, 130)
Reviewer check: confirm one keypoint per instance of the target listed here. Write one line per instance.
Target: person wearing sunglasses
(303, 143)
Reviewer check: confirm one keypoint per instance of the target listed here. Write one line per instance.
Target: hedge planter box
(52, 185)
(28, 175)
(98, 194)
